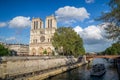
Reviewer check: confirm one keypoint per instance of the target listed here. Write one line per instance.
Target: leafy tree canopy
(3, 51)
(68, 42)
(113, 18)
(113, 50)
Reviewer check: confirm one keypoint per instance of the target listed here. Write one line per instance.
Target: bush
(4, 51)
(45, 52)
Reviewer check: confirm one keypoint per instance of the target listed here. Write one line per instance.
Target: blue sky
(15, 17)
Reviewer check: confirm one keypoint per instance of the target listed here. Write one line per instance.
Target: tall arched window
(51, 23)
(48, 23)
(34, 24)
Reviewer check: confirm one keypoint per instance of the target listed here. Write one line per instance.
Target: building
(40, 36)
(2, 43)
(18, 49)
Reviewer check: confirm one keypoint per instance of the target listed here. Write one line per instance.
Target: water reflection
(83, 72)
(97, 78)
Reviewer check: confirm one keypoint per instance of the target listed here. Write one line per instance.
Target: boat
(98, 70)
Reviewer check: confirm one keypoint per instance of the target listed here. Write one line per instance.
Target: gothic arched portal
(33, 51)
(40, 50)
(49, 50)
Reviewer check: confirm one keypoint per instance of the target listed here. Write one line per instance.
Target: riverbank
(55, 71)
(29, 67)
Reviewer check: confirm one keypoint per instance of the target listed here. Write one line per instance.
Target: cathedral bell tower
(51, 22)
(41, 37)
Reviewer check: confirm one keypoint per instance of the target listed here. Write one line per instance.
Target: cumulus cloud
(71, 14)
(89, 1)
(94, 37)
(78, 29)
(20, 22)
(3, 24)
(90, 32)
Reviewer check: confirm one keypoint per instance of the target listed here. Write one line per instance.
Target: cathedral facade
(41, 37)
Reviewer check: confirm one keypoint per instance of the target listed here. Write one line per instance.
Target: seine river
(83, 72)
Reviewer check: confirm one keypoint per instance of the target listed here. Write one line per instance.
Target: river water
(83, 72)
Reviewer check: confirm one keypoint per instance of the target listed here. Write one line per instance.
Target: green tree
(113, 18)
(4, 51)
(68, 42)
(113, 50)
(45, 51)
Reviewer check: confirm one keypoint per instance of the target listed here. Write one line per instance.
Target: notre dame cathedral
(40, 36)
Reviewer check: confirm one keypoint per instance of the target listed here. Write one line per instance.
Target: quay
(42, 67)
(56, 71)
(36, 67)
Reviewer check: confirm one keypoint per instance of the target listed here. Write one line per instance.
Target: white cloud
(78, 29)
(89, 1)
(10, 38)
(92, 32)
(3, 24)
(20, 22)
(94, 37)
(71, 14)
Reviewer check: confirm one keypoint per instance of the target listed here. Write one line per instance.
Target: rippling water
(83, 72)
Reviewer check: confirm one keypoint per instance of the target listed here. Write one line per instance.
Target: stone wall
(12, 66)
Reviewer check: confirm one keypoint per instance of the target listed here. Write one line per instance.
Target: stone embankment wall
(13, 66)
